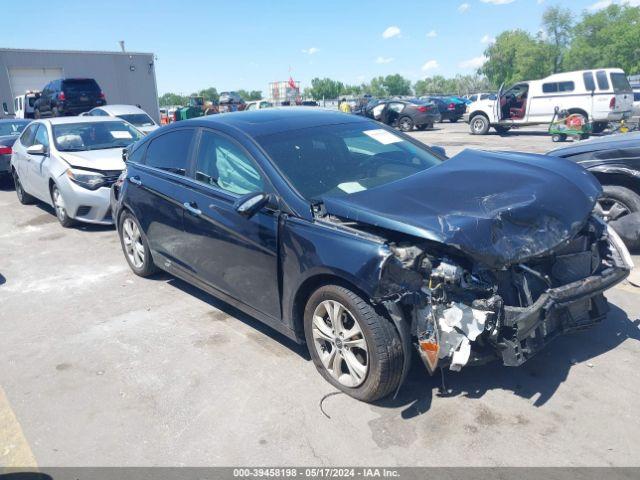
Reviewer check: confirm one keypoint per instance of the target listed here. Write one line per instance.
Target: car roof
(595, 144)
(120, 109)
(85, 119)
(276, 120)
(14, 120)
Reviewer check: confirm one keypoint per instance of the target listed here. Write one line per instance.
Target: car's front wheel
(60, 207)
(135, 247)
(354, 347)
(479, 125)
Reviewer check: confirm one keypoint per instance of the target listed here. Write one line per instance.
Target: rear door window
(589, 82)
(549, 87)
(170, 152)
(603, 81)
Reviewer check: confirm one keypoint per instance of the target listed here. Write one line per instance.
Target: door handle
(135, 180)
(192, 208)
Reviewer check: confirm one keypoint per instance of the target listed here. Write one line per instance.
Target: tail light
(62, 96)
(422, 108)
(612, 103)
(4, 150)
(452, 106)
(101, 95)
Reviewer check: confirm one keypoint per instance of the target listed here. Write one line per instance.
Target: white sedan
(129, 113)
(70, 163)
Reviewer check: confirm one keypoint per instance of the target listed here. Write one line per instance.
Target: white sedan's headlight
(87, 179)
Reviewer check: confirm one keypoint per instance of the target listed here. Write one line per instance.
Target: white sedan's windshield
(73, 137)
(345, 158)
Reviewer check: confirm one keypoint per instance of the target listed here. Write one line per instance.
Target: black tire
(626, 198)
(501, 129)
(148, 266)
(558, 137)
(384, 349)
(454, 119)
(61, 212)
(599, 127)
(405, 124)
(479, 125)
(23, 197)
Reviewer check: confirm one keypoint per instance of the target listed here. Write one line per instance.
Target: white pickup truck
(600, 96)
(23, 104)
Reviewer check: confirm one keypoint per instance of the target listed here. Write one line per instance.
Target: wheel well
(476, 113)
(617, 180)
(305, 291)
(51, 184)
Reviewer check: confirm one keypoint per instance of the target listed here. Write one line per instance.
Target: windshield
(620, 82)
(74, 137)
(345, 158)
(12, 128)
(138, 119)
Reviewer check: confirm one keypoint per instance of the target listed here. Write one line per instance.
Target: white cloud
(473, 63)
(311, 51)
(488, 39)
(432, 34)
(391, 31)
(600, 5)
(384, 59)
(430, 65)
(464, 7)
(497, 2)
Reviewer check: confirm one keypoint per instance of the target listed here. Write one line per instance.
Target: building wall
(125, 78)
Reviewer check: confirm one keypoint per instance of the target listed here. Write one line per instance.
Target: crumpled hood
(107, 159)
(499, 208)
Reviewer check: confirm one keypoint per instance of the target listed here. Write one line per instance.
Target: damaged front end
(460, 312)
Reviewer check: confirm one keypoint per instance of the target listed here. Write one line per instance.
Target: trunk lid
(499, 208)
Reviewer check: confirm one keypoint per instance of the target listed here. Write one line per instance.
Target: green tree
(397, 85)
(377, 87)
(169, 99)
(209, 94)
(325, 88)
(558, 26)
(515, 56)
(250, 95)
(607, 38)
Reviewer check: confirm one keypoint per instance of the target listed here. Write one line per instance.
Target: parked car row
(402, 114)
(343, 233)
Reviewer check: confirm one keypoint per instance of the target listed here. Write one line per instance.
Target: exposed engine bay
(459, 312)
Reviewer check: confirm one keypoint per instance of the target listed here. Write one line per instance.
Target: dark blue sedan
(365, 244)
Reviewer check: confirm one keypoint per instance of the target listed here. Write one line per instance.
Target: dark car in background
(69, 96)
(615, 161)
(10, 130)
(449, 108)
(366, 245)
(404, 114)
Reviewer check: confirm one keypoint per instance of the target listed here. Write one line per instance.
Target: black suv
(69, 96)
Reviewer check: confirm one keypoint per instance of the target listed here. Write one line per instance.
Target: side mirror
(249, 204)
(36, 150)
(439, 150)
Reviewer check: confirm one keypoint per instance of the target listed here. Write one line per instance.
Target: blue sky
(246, 44)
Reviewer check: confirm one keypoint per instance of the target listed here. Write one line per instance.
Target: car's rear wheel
(23, 197)
(353, 347)
(60, 207)
(405, 124)
(479, 125)
(135, 246)
(617, 202)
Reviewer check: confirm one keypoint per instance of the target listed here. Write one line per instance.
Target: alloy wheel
(611, 209)
(58, 204)
(133, 245)
(478, 124)
(340, 343)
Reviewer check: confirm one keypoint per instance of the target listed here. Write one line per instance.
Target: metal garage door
(23, 79)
